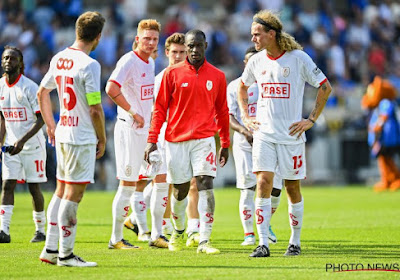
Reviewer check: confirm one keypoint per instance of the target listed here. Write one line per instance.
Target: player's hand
(101, 148)
(249, 136)
(18, 146)
(300, 127)
(51, 134)
(151, 147)
(139, 121)
(223, 156)
(251, 123)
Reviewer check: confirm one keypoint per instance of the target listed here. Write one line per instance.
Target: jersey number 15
(66, 91)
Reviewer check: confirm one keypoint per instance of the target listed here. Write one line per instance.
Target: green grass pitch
(341, 225)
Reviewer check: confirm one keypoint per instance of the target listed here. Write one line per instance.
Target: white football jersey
(157, 83)
(136, 79)
(19, 105)
(74, 74)
(281, 84)
(234, 110)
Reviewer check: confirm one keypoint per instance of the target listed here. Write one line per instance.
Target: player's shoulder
(214, 69)
(28, 82)
(233, 85)
(299, 55)
(161, 74)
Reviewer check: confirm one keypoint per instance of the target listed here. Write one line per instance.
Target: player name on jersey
(15, 114)
(275, 90)
(69, 121)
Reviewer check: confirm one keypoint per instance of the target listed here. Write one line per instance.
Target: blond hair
(269, 21)
(89, 25)
(148, 24)
(176, 38)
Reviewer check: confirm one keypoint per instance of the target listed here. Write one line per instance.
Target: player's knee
(9, 186)
(204, 182)
(276, 192)
(34, 189)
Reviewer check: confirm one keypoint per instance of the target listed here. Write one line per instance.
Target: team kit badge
(285, 71)
(209, 85)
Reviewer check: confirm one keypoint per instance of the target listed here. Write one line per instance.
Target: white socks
(246, 209)
(275, 203)
(139, 210)
(263, 217)
(147, 193)
(158, 203)
(67, 223)
(178, 212)
(120, 209)
(52, 234)
(206, 212)
(39, 218)
(296, 221)
(193, 226)
(6, 212)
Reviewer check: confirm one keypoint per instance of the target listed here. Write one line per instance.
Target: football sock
(147, 193)
(263, 216)
(246, 209)
(6, 212)
(178, 212)
(139, 211)
(120, 209)
(275, 203)
(39, 218)
(166, 226)
(52, 235)
(206, 213)
(296, 211)
(158, 203)
(67, 226)
(193, 226)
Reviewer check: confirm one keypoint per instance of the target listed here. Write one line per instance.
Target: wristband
(131, 111)
(311, 120)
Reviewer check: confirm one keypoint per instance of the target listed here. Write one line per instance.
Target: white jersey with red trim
(74, 74)
(136, 79)
(19, 105)
(234, 110)
(281, 84)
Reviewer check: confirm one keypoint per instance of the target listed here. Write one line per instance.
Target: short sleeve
(48, 80)
(232, 98)
(32, 98)
(311, 73)
(122, 71)
(386, 107)
(248, 77)
(92, 78)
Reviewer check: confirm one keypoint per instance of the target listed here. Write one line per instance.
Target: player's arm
(243, 100)
(2, 129)
(236, 126)
(45, 106)
(222, 120)
(19, 145)
(98, 121)
(322, 97)
(113, 90)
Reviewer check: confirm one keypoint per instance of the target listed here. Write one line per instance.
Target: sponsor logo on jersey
(184, 84)
(64, 64)
(275, 90)
(285, 71)
(209, 85)
(15, 114)
(264, 72)
(316, 71)
(147, 92)
(143, 75)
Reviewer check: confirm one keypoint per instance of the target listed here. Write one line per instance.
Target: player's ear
(206, 45)
(166, 52)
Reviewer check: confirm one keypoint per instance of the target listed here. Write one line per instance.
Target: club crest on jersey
(209, 85)
(19, 97)
(128, 170)
(285, 71)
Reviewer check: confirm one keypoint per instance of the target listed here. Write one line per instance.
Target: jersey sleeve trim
(326, 79)
(93, 98)
(37, 112)
(115, 82)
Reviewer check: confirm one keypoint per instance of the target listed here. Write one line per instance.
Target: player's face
(260, 37)
(10, 61)
(196, 48)
(176, 53)
(147, 41)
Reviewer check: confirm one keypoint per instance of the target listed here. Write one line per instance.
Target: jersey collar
(16, 81)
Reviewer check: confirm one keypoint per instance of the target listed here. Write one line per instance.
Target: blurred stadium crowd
(350, 40)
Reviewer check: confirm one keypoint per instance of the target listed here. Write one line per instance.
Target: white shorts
(245, 178)
(189, 159)
(161, 149)
(75, 163)
(25, 166)
(289, 161)
(129, 151)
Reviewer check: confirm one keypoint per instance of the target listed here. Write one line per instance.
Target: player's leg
(139, 210)
(167, 225)
(246, 211)
(39, 217)
(158, 204)
(6, 209)
(275, 200)
(264, 164)
(292, 166)
(193, 215)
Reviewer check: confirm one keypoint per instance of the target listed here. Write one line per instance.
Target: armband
(93, 98)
